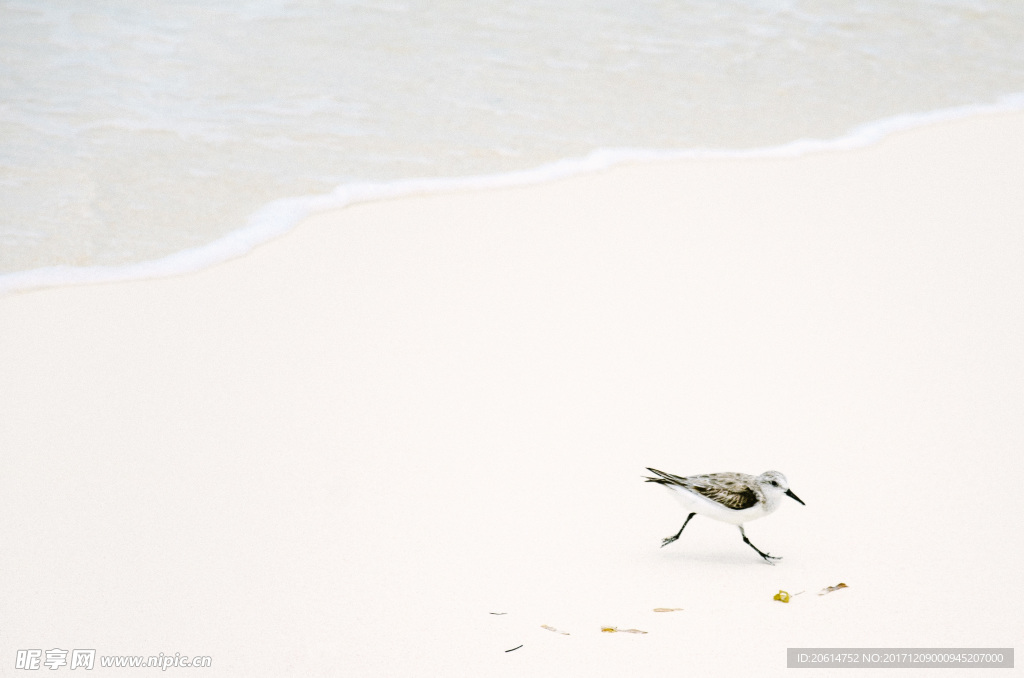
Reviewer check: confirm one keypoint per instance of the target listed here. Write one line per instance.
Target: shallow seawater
(130, 131)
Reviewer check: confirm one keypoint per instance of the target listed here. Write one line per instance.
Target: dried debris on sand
(830, 589)
(552, 628)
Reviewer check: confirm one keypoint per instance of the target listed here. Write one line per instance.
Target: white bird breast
(693, 502)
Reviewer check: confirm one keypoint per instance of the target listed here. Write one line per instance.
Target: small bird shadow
(716, 558)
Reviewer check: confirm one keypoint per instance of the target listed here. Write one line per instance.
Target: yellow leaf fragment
(667, 609)
(552, 628)
(830, 589)
(608, 629)
(781, 596)
(613, 629)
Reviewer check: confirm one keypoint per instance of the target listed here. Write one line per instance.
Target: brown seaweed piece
(830, 589)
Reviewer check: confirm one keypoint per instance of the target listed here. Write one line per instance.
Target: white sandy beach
(340, 454)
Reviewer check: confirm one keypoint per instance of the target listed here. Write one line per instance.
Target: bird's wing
(728, 489)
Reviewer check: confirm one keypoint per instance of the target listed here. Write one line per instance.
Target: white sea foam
(145, 133)
(280, 216)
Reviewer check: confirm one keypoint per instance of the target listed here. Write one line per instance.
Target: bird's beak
(789, 493)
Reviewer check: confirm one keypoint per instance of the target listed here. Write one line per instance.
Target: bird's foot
(769, 558)
(668, 540)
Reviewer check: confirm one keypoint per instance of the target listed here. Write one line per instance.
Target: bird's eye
(775, 483)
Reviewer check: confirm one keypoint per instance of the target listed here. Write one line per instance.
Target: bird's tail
(663, 478)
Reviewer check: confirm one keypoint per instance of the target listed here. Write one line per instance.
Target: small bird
(730, 497)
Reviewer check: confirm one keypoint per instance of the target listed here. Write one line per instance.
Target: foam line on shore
(281, 216)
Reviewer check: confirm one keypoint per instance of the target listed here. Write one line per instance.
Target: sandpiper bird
(730, 497)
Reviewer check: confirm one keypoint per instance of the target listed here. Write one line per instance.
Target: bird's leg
(668, 540)
(767, 558)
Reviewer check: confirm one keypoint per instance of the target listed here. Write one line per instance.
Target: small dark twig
(514, 648)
